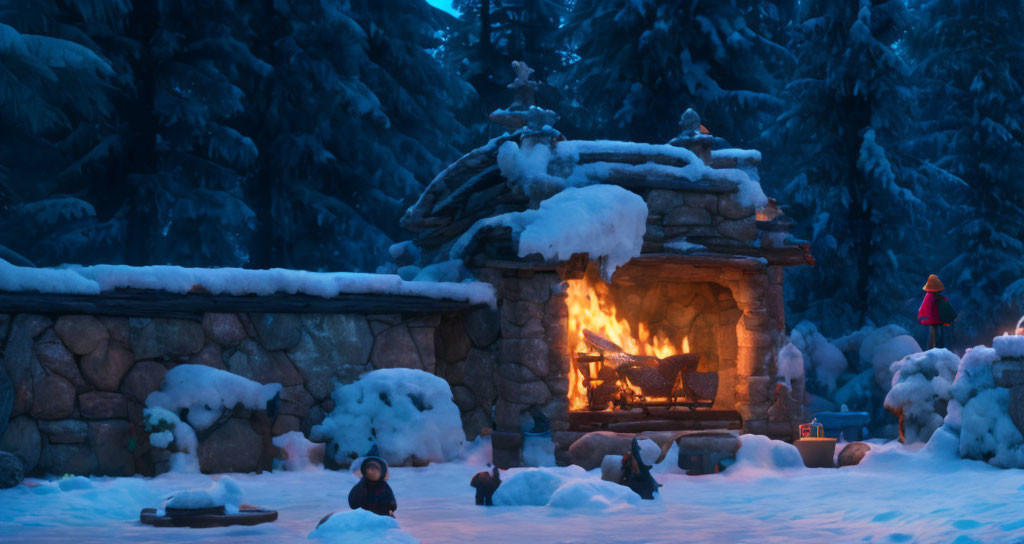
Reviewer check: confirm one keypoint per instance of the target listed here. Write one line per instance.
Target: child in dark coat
(372, 492)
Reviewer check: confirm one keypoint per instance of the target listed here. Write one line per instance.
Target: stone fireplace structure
(708, 280)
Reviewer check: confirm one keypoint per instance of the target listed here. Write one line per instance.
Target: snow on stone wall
(91, 280)
(409, 414)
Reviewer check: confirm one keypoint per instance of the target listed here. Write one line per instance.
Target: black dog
(486, 483)
(636, 475)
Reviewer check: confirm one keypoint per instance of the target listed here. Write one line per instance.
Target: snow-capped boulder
(921, 389)
(758, 452)
(409, 414)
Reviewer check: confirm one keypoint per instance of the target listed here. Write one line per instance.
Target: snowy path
(894, 496)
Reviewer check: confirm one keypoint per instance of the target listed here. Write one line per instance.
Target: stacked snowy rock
(987, 410)
(921, 389)
(209, 397)
(408, 414)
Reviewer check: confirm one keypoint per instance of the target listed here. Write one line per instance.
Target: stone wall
(80, 381)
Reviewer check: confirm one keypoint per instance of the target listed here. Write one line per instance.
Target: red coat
(929, 312)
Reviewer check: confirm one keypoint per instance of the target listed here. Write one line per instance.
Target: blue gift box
(848, 424)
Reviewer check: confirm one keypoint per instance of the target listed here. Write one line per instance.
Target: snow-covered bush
(759, 452)
(973, 376)
(409, 414)
(361, 527)
(823, 361)
(791, 365)
(165, 429)
(921, 390)
(208, 392)
(888, 352)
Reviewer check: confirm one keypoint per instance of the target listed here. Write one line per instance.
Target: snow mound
(74, 483)
(592, 495)
(921, 389)
(758, 452)
(887, 353)
(1009, 347)
(531, 487)
(822, 360)
(297, 450)
(538, 451)
(568, 488)
(207, 392)
(604, 221)
(407, 413)
(974, 373)
(224, 492)
(361, 527)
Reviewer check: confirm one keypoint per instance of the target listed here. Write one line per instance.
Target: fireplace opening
(643, 344)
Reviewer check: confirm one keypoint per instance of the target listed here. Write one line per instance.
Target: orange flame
(591, 308)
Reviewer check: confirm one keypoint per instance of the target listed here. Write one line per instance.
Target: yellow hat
(934, 284)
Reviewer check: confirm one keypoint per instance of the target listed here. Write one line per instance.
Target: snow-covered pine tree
(970, 53)
(54, 92)
(165, 168)
(856, 189)
(489, 35)
(641, 63)
(338, 168)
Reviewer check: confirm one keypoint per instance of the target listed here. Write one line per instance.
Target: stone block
(730, 208)
(233, 447)
(662, 201)
(286, 424)
(165, 338)
(144, 378)
(531, 393)
(212, 355)
(744, 230)
(331, 347)
(685, 215)
(532, 353)
(81, 333)
(707, 201)
(53, 356)
(224, 329)
(395, 348)
(453, 342)
(480, 376)
(22, 438)
(277, 331)
(12, 471)
(65, 431)
(105, 366)
(253, 362)
(483, 326)
(295, 401)
(109, 441)
(60, 459)
(423, 337)
(463, 398)
(1008, 373)
(54, 398)
(103, 405)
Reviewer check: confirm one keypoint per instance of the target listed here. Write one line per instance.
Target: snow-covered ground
(897, 494)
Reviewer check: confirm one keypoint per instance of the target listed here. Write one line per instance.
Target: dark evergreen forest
(294, 133)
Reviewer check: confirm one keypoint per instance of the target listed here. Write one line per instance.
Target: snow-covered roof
(93, 280)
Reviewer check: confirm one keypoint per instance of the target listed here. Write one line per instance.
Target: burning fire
(591, 308)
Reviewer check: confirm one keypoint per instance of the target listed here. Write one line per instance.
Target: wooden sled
(201, 518)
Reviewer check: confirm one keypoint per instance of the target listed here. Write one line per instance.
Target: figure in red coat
(935, 311)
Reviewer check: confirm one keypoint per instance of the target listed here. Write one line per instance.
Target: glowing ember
(591, 308)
